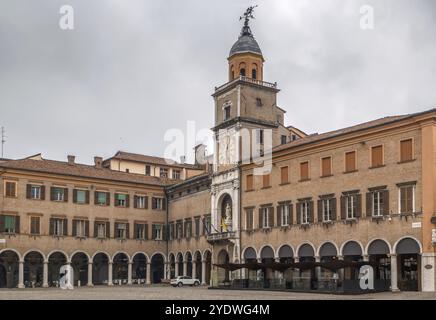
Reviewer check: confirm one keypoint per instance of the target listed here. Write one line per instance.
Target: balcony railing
(247, 80)
(216, 237)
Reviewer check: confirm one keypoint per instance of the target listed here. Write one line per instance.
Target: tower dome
(246, 43)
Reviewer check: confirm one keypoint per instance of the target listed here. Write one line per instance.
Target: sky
(131, 70)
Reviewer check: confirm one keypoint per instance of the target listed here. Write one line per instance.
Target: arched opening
(179, 268)
(55, 262)
(100, 270)
(409, 262)
(305, 279)
(188, 264)
(198, 267)
(120, 268)
(286, 255)
(327, 253)
(172, 266)
(232, 73)
(8, 269)
(352, 252)
(242, 72)
(157, 268)
(79, 262)
(208, 259)
(223, 274)
(254, 72)
(267, 256)
(139, 268)
(252, 275)
(226, 213)
(33, 269)
(378, 252)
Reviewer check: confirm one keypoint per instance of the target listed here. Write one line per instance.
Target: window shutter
(358, 205)
(271, 217)
(17, 224)
(350, 161)
(279, 216)
(87, 228)
(28, 191)
(74, 195)
(95, 229)
(65, 194)
(291, 214)
(284, 173)
(108, 230)
(87, 196)
(333, 208)
(385, 197)
(153, 231)
(135, 231)
(146, 202)
(51, 193)
(311, 218)
(406, 150)
(326, 166)
(153, 203)
(343, 209)
(74, 228)
(164, 204)
(108, 198)
(369, 212)
(298, 209)
(249, 182)
(146, 231)
(2, 223)
(42, 192)
(320, 219)
(115, 229)
(260, 219)
(377, 156)
(164, 233)
(135, 203)
(127, 200)
(127, 230)
(38, 225)
(51, 231)
(65, 231)
(266, 180)
(304, 170)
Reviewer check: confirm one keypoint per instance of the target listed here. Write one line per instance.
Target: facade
(365, 193)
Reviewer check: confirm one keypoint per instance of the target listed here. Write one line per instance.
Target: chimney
(98, 162)
(182, 159)
(71, 159)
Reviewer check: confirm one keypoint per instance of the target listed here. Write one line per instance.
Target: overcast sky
(132, 69)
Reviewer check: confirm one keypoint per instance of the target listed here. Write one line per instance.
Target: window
(254, 74)
(327, 210)
(350, 161)
(35, 225)
(80, 228)
(127, 170)
(101, 229)
(147, 170)
(377, 204)
(9, 224)
(163, 172)
(326, 166)
(176, 174)
(10, 189)
(59, 194)
(188, 228)
(197, 226)
(284, 175)
(259, 102)
(285, 215)
(157, 232)
(227, 113)
(141, 231)
(259, 136)
(304, 171)
(141, 202)
(179, 229)
(58, 227)
(158, 203)
(207, 224)
(102, 198)
(266, 216)
(121, 200)
(294, 137)
(350, 206)
(406, 150)
(283, 139)
(249, 182)
(407, 199)
(266, 180)
(35, 192)
(242, 72)
(121, 230)
(172, 231)
(249, 225)
(80, 196)
(304, 212)
(377, 156)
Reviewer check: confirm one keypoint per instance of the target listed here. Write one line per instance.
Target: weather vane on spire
(247, 16)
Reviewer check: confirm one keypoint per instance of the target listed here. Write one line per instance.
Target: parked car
(184, 281)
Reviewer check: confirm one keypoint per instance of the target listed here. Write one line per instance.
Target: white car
(184, 281)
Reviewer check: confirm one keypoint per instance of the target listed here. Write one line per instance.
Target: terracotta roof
(366, 125)
(121, 155)
(79, 170)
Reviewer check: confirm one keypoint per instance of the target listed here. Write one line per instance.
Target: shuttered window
(141, 231)
(9, 224)
(10, 189)
(326, 167)
(304, 171)
(249, 219)
(266, 180)
(377, 156)
(35, 225)
(407, 198)
(284, 175)
(249, 182)
(350, 161)
(406, 150)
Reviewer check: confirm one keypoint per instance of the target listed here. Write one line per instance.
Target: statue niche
(226, 214)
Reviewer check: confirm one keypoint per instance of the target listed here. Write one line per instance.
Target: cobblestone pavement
(197, 293)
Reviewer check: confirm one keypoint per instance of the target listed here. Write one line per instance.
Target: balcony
(246, 80)
(221, 237)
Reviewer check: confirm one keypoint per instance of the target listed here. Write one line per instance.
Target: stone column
(21, 274)
(394, 276)
(176, 272)
(109, 281)
(341, 274)
(318, 270)
(148, 274)
(45, 275)
(185, 268)
(129, 273)
(90, 284)
(366, 258)
(194, 269)
(203, 273)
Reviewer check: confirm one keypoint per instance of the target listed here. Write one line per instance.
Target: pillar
(194, 269)
(21, 274)
(394, 273)
(185, 268)
(428, 275)
(341, 271)
(203, 272)
(109, 281)
(45, 275)
(176, 273)
(129, 273)
(318, 270)
(148, 273)
(366, 258)
(89, 284)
